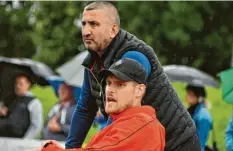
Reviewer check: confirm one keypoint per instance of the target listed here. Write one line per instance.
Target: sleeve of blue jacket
(204, 125)
(229, 135)
(83, 116)
(86, 108)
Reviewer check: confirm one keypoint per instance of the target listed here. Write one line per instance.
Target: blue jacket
(85, 111)
(203, 121)
(101, 122)
(229, 135)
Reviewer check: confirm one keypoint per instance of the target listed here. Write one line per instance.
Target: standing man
(107, 43)
(23, 118)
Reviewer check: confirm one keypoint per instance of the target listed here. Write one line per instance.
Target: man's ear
(114, 31)
(140, 90)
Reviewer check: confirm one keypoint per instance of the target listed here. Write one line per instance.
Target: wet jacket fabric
(134, 129)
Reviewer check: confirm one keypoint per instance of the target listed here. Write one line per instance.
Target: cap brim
(105, 73)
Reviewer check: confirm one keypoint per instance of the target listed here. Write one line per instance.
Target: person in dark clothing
(107, 43)
(23, 117)
(58, 121)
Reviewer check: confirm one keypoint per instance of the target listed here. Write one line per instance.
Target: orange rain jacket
(135, 129)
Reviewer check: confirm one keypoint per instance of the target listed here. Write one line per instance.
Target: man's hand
(53, 125)
(55, 144)
(3, 111)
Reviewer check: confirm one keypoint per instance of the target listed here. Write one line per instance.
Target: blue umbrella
(55, 82)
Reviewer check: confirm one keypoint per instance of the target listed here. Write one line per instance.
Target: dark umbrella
(10, 67)
(187, 74)
(72, 71)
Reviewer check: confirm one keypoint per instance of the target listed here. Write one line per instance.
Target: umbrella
(36, 70)
(73, 71)
(55, 82)
(188, 74)
(10, 67)
(227, 85)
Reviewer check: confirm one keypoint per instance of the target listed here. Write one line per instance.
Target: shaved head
(113, 13)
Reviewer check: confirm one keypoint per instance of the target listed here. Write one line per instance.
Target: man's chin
(110, 111)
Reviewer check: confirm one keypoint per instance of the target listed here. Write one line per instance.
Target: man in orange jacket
(134, 127)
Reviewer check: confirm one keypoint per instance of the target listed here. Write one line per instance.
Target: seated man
(134, 127)
(23, 117)
(58, 121)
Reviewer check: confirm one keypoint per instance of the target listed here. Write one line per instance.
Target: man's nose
(86, 31)
(110, 90)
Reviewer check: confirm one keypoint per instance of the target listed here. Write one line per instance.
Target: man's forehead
(22, 78)
(93, 13)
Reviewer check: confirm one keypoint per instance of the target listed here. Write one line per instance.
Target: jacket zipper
(101, 89)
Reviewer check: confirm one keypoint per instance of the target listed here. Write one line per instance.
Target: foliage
(57, 34)
(198, 34)
(15, 39)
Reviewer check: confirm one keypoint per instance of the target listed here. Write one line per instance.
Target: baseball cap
(126, 70)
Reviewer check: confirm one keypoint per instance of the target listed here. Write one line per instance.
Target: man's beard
(127, 106)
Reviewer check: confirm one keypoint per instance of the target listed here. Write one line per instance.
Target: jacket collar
(134, 111)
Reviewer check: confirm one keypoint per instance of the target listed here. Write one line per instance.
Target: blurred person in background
(195, 97)
(229, 135)
(57, 124)
(23, 117)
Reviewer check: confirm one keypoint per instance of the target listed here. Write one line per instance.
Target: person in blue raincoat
(229, 135)
(195, 97)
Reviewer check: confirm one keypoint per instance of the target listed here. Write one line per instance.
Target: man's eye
(93, 24)
(83, 23)
(120, 85)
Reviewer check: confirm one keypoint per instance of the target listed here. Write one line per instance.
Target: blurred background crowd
(41, 52)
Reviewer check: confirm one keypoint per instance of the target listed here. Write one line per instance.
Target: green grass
(220, 110)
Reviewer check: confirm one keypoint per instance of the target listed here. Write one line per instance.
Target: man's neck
(100, 52)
